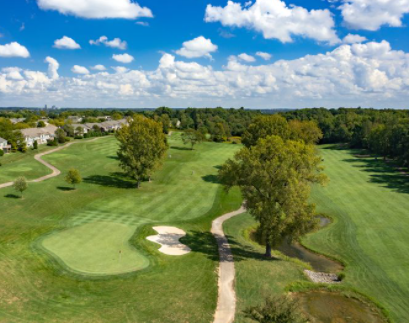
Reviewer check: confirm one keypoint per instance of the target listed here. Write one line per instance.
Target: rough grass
(369, 201)
(36, 287)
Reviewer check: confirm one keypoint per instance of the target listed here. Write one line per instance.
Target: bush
(1, 152)
(86, 135)
(79, 137)
(278, 309)
(52, 142)
(341, 277)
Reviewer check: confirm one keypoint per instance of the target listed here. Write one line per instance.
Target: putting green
(99, 248)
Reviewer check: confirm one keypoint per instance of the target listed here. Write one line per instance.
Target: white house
(4, 146)
(41, 135)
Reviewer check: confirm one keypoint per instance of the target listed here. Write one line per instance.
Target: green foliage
(40, 124)
(20, 185)
(60, 136)
(35, 145)
(1, 152)
(73, 177)
(274, 177)
(142, 147)
(23, 147)
(192, 137)
(277, 309)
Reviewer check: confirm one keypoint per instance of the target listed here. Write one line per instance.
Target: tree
(35, 145)
(274, 177)
(20, 185)
(41, 124)
(264, 126)
(307, 131)
(280, 309)
(192, 137)
(60, 135)
(73, 177)
(23, 147)
(142, 146)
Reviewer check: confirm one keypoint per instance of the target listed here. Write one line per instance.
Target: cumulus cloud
(263, 55)
(198, 47)
(66, 43)
(367, 74)
(123, 58)
(372, 14)
(14, 50)
(97, 9)
(120, 69)
(98, 68)
(53, 67)
(143, 23)
(114, 43)
(275, 20)
(79, 70)
(247, 58)
(354, 39)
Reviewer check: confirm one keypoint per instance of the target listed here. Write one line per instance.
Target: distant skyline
(204, 53)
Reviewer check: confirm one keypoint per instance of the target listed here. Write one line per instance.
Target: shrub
(341, 276)
(1, 152)
(79, 137)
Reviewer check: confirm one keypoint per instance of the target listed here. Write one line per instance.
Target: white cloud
(66, 43)
(123, 58)
(263, 55)
(369, 74)
(372, 14)
(143, 23)
(115, 43)
(247, 58)
(79, 70)
(53, 67)
(354, 39)
(275, 20)
(120, 69)
(197, 47)
(97, 9)
(98, 67)
(14, 50)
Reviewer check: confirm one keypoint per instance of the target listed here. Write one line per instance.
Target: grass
(19, 164)
(37, 286)
(369, 203)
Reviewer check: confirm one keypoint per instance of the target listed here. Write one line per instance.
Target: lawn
(369, 203)
(60, 248)
(19, 164)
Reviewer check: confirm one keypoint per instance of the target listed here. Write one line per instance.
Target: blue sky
(208, 77)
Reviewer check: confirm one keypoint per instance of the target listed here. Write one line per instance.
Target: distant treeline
(383, 132)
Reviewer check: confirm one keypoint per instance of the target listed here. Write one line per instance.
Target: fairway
(60, 247)
(369, 202)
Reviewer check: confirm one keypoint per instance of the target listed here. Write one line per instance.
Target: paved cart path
(55, 171)
(226, 303)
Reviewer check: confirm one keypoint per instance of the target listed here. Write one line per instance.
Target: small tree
(41, 124)
(73, 177)
(277, 310)
(60, 135)
(20, 185)
(191, 137)
(35, 145)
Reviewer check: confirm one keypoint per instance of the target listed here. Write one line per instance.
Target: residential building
(41, 135)
(4, 146)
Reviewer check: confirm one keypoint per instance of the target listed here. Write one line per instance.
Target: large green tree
(192, 137)
(275, 176)
(142, 146)
(265, 126)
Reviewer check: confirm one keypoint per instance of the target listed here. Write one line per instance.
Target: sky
(262, 54)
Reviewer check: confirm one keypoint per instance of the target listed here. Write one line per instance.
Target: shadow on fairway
(12, 196)
(205, 243)
(383, 173)
(211, 179)
(113, 180)
(65, 189)
(180, 148)
(113, 157)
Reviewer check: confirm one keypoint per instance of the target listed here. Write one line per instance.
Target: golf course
(368, 202)
(82, 255)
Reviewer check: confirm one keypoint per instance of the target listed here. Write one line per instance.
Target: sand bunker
(169, 237)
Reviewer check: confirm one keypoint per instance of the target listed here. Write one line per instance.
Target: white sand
(169, 237)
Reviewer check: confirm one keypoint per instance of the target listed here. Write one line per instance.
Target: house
(4, 146)
(75, 119)
(84, 127)
(113, 125)
(41, 135)
(17, 120)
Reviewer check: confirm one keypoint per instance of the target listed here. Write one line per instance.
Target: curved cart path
(226, 302)
(55, 171)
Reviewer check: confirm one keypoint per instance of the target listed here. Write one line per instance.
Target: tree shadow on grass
(12, 196)
(383, 173)
(211, 179)
(180, 148)
(65, 189)
(112, 180)
(204, 242)
(113, 157)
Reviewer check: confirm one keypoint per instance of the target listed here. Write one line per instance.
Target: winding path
(226, 302)
(55, 171)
